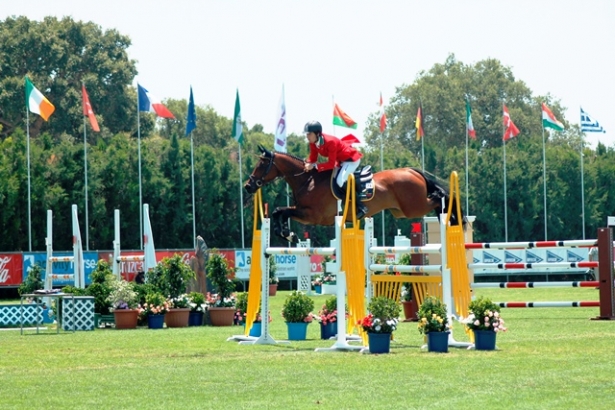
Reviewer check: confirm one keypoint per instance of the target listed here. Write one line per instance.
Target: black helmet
(313, 126)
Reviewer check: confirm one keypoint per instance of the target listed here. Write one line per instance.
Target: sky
(350, 51)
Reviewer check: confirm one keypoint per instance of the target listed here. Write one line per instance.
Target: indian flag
(36, 102)
(549, 120)
(342, 119)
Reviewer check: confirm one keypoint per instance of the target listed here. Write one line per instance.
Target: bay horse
(406, 192)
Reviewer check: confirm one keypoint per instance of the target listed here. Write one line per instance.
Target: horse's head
(263, 173)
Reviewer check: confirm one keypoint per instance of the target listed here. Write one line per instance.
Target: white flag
(279, 139)
(588, 124)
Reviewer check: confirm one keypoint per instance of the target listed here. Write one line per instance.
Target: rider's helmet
(313, 126)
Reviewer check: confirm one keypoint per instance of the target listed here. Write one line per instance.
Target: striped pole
(536, 244)
(593, 303)
(533, 265)
(512, 285)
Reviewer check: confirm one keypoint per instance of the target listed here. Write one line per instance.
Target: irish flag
(36, 102)
(469, 125)
(549, 120)
(342, 119)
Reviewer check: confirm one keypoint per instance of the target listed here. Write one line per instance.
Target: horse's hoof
(292, 238)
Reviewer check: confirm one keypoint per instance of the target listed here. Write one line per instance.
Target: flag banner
(279, 139)
(149, 103)
(342, 119)
(511, 129)
(588, 124)
(469, 124)
(549, 120)
(237, 131)
(87, 110)
(420, 133)
(191, 116)
(36, 101)
(383, 116)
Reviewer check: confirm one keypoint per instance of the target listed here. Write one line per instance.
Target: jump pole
(77, 259)
(149, 253)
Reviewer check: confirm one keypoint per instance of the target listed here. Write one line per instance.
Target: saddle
(364, 184)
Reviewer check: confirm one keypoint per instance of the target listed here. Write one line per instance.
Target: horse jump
(76, 259)
(149, 255)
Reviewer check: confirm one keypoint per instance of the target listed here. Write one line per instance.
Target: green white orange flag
(469, 125)
(342, 119)
(36, 101)
(549, 120)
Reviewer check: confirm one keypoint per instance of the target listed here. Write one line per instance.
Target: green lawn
(549, 359)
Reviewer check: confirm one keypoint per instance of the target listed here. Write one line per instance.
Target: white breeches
(346, 169)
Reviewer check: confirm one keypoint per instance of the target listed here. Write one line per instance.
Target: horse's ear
(261, 149)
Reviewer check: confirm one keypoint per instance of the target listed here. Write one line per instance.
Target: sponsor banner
(11, 269)
(533, 255)
(129, 269)
(59, 268)
(286, 264)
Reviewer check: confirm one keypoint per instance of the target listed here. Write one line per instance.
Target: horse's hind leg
(280, 217)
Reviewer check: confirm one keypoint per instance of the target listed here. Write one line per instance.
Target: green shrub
(432, 316)
(33, 281)
(384, 308)
(219, 272)
(297, 307)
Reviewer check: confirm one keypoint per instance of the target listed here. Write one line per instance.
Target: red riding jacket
(336, 150)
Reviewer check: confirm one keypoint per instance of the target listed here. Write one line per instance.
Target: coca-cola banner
(11, 269)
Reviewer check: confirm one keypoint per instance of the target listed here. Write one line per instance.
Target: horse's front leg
(280, 218)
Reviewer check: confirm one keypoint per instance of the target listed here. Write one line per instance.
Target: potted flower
(100, 289)
(220, 304)
(406, 291)
(241, 315)
(434, 323)
(327, 316)
(485, 321)
(297, 312)
(179, 311)
(156, 307)
(380, 323)
(123, 301)
(172, 276)
(197, 308)
(273, 278)
(317, 284)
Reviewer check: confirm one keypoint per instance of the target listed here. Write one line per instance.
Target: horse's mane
(296, 158)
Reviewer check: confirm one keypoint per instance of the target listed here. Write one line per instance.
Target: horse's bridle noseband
(261, 181)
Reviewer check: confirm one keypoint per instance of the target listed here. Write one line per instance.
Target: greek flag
(588, 124)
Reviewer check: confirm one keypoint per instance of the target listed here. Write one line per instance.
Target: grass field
(549, 359)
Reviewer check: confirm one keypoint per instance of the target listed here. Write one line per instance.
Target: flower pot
(318, 289)
(379, 342)
(437, 342)
(297, 330)
(195, 319)
(328, 331)
(484, 339)
(221, 316)
(256, 329)
(155, 321)
(126, 318)
(177, 317)
(409, 311)
(273, 289)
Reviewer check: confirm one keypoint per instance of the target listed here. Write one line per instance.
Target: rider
(339, 154)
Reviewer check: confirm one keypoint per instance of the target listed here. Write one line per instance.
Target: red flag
(87, 110)
(383, 116)
(511, 128)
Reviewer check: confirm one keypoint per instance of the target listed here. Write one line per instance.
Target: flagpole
(582, 186)
(85, 171)
(140, 188)
(544, 179)
(505, 198)
(467, 184)
(382, 169)
(243, 245)
(193, 206)
(29, 201)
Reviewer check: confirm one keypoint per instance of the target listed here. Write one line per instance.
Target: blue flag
(588, 124)
(191, 117)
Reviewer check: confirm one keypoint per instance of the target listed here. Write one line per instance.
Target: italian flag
(469, 125)
(36, 102)
(342, 119)
(549, 120)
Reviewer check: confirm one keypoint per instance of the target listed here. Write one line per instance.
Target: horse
(405, 192)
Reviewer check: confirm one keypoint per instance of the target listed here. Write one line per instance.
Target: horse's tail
(438, 191)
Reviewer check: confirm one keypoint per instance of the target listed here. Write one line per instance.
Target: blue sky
(351, 51)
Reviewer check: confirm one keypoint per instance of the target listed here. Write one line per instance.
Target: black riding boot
(361, 209)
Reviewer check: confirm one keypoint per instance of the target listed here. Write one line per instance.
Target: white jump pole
(78, 275)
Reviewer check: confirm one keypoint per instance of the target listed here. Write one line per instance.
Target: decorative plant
(406, 289)
(273, 268)
(100, 288)
(155, 304)
(172, 276)
(122, 295)
(298, 308)
(33, 281)
(317, 281)
(328, 313)
(432, 316)
(196, 302)
(180, 302)
(242, 310)
(484, 315)
(219, 272)
(383, 316)
(328, 278)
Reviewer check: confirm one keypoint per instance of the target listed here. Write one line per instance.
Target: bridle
(261, 180)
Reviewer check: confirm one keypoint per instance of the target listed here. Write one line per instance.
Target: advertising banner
(11, 269)
(59, 268)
